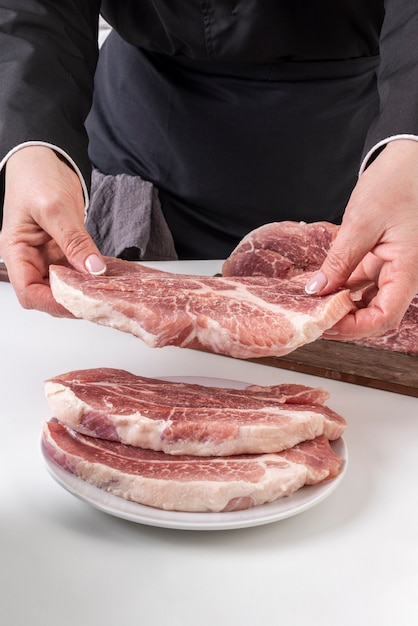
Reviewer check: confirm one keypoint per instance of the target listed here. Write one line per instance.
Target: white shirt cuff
(60, 151)
(382, 144)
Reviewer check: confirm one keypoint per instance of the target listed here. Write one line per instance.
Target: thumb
(77, 246)
(81, 252)
(341, 261)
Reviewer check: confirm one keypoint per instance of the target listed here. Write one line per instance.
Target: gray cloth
(125, 219)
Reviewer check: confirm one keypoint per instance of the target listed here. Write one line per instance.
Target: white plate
(296, 503)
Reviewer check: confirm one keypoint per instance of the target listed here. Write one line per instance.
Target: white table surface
(351, 560)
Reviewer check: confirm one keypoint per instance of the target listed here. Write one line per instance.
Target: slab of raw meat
(185, 418)
(245, 317)
(285, 249)
(281, 249)
(403, 339)
(189, 483)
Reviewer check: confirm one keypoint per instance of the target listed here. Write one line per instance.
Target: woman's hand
(43, 223)
(377, 245)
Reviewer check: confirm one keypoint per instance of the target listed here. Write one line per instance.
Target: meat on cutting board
(245, 317)
(187, 418)
(403, 339)
(189, 483)
(281, 249)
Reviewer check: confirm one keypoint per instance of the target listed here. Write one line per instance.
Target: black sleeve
(398, 74)
(48, 54)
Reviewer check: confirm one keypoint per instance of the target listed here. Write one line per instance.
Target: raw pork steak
(184, 418)
(189, 483)
(281, 250)
(246, 317)
(403, 339)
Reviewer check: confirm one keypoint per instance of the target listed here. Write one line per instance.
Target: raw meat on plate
(189, 483)
(185, 418)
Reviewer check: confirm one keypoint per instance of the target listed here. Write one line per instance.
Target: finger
(37, 293)
(357, 236)
(366, 295)
(366, 273)
(349, 249)
(362, 323)
(66, 228)
(80, 250)
(381, 310)
(31, 286)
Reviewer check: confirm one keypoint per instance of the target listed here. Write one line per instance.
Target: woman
(235, 113)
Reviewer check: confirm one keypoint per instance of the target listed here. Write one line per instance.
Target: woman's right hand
(43, 224)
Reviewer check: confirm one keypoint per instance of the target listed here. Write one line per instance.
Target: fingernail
(316, 283)
(330, 332)
(94, 265)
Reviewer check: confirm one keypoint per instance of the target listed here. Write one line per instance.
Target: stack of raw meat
(189, 447)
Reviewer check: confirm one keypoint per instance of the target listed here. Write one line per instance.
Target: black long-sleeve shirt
(48, 56)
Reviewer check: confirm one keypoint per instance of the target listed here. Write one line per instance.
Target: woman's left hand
(377, 245)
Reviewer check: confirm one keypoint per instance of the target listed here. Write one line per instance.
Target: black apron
(232, 146)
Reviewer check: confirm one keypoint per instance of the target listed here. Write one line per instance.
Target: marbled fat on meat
(281, 250)
(189, 483)
(245, 317)
(403, 339)
(184, 418)
(193, 394)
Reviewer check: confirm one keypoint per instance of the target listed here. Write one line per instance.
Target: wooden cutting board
(370, 367)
